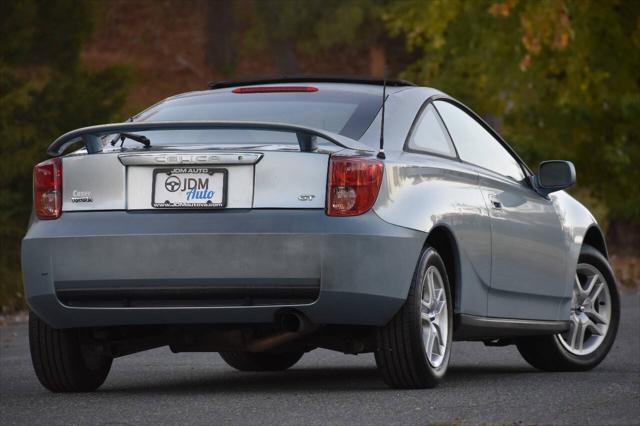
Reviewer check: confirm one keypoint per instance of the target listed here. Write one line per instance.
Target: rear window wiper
(134, 137)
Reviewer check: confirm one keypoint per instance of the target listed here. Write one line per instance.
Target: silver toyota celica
(266, 219)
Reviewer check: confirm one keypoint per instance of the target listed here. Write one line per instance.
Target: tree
(314, 25)
(560, 76)
(44, 92)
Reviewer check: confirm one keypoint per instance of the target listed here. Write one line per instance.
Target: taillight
(353, 185)
(47, 189)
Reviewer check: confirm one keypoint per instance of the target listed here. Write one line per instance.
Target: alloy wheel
(590, 312)
(434, 316)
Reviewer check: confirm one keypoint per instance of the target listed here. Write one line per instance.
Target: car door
(528, 252)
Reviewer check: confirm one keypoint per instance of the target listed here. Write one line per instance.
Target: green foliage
(318, 24)
(561, 76)
(44, 92)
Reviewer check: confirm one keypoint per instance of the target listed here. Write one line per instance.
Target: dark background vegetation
(558, 78)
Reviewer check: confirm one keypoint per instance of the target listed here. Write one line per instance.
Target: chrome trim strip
(187, 158)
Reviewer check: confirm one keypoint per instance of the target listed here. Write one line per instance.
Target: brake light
(47, 189)
(275, 89)
(353, 185)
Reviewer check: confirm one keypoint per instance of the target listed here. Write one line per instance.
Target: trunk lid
(235, 177)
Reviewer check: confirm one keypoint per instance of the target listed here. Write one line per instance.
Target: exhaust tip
(292, 322)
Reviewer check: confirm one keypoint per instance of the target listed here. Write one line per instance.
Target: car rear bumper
(116, 268)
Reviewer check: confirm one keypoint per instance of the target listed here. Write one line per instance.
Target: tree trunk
(220, 29)
(377, 61)
(284, 57)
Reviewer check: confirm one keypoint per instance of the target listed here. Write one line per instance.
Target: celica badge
(81, 197)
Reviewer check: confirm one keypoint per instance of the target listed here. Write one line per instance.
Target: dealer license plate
(189, 187)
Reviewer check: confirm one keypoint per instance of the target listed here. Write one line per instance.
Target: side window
(475, 144)
(429, 135)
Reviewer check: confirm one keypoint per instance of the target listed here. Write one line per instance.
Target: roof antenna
(384, 97)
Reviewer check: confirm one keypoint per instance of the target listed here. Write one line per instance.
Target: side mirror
(554, 175)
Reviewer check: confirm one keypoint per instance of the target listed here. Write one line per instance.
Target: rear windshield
(346, 113)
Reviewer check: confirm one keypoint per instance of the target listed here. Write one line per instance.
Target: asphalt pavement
(485, 385)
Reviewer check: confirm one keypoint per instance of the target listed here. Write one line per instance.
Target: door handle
(495, 203)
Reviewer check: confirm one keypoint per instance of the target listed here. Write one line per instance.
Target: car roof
(310, 79)
(359, 85)
(412, 96)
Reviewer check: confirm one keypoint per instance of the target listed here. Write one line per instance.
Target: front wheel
(414, 347)
(594, 317)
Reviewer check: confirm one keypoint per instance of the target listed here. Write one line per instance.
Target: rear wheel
(414, 348)
(261, 361)
(594, 317)
(61, 362)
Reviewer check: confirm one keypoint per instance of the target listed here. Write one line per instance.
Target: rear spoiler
(90, 136)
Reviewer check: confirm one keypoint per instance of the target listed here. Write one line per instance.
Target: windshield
(345, 113)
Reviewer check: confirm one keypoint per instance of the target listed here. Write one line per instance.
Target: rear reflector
(275, 89)
(47, 189)
(353, 185)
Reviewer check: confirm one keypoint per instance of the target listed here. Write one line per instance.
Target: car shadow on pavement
(296, 379)
(302, 379)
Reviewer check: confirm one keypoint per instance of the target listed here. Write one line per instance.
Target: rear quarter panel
(421, 192)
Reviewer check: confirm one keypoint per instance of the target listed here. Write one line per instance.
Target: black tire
(548, 354)
(261, 361)
(401, 355)
(60, 362)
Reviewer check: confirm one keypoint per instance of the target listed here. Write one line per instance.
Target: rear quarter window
(429, 136)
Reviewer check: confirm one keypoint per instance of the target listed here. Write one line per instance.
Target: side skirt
(472, 327)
